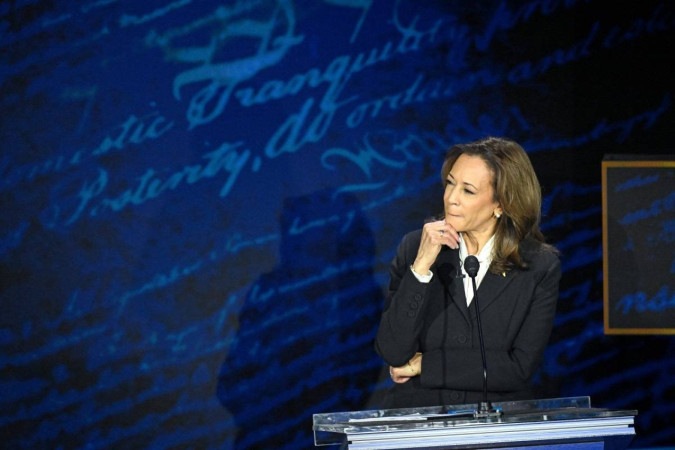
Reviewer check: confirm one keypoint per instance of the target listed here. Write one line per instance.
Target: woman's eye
(469, 192)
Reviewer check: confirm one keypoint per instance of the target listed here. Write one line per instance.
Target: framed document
(638, 222)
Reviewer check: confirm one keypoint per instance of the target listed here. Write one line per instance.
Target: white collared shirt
(484, 258)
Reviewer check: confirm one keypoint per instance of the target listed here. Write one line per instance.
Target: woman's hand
(434, 236)
(412, 369)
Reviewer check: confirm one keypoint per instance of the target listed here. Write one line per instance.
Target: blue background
(200, 201)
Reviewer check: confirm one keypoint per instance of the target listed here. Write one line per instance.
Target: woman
(428, 330)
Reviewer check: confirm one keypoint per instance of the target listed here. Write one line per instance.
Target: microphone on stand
(471, 265)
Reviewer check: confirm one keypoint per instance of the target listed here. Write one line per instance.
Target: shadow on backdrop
(305, 338)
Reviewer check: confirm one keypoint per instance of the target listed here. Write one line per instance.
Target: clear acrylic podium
(563, 423)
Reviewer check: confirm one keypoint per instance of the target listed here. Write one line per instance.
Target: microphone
(471, 265)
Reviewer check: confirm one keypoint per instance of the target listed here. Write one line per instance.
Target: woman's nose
(452, 196)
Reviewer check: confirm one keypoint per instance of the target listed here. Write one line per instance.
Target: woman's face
(468, 197)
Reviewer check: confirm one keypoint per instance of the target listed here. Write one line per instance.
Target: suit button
(411, 314)
(462, 339)
(413, 305)
(418, 297)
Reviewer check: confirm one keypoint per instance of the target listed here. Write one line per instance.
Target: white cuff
(422, 278)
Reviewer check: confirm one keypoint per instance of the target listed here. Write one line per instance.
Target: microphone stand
(485, 408)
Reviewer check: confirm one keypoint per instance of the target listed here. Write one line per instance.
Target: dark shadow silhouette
(306, 330)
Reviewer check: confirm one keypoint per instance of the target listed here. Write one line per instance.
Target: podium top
(460, 422)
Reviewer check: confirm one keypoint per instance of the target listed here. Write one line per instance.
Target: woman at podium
(429, 331)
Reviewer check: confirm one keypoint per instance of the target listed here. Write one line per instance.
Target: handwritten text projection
(201, 199)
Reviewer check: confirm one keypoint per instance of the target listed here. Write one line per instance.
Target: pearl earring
(497, 215)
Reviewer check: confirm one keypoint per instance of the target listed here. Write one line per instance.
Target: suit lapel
(449, 273)
(447, 268)
(491, 286)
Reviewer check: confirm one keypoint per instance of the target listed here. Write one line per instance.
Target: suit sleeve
(509, 368)
(397, 337)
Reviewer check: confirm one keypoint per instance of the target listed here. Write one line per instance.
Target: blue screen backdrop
(200, 201)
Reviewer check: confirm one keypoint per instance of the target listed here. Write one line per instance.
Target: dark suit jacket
(516, 312)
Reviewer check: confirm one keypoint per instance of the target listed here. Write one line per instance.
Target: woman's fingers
(440, 233)
(399, 375)
(434, 236)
